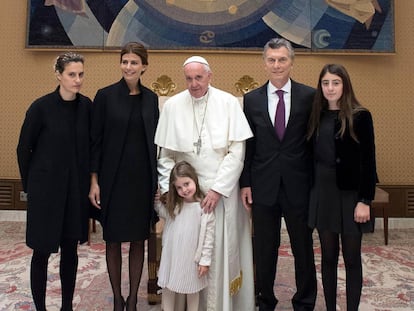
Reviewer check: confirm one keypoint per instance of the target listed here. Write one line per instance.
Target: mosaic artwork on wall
(240, 25)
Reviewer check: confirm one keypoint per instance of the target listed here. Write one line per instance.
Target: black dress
(72, 228)
(128, 212)
(331, 209)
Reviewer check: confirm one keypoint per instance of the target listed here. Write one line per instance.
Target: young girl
(187, 241)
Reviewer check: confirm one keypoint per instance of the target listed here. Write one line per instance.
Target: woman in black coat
(344, 180)
(123, 167)
(53, 157)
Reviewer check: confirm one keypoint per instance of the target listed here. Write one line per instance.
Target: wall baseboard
(393, 223)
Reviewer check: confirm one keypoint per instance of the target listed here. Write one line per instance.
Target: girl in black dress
(123, 168)
(344, 180)
(53, 157)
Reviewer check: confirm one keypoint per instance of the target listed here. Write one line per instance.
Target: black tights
(67, 270)
(351, 252)
(114, 265)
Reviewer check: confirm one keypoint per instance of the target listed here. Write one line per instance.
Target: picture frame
(317, 26)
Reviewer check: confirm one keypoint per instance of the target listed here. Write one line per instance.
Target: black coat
(355, 161)
(268, 160)
(107, 139)
(44, 158)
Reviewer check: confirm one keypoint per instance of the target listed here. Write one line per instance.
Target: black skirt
(332, 209)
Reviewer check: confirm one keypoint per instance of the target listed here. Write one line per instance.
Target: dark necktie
(280, 115)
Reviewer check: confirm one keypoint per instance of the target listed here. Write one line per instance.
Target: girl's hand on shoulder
(202, 270)
(362, 213)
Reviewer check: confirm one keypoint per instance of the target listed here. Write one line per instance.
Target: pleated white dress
(178, 268)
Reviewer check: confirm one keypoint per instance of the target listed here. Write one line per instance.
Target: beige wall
(383, 83)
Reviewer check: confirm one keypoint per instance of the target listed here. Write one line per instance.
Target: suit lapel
(263, 107)
(293, 102)
(294, 107)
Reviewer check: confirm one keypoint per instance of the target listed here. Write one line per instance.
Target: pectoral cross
(198, 145)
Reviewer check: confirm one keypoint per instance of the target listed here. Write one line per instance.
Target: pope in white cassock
(207, 128)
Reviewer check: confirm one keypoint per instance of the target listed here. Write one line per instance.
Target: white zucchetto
(196, 59)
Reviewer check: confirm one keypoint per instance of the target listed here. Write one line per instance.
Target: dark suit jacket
(45, 155)
(107, 140)
(269, 161)
(355, 162)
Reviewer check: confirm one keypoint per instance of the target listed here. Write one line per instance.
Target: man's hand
(246, 197)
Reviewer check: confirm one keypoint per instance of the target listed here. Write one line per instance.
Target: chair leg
(385, 226)
(91, 228)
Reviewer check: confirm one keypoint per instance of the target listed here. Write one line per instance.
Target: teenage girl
(342, 132)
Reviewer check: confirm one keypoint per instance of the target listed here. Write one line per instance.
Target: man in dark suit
(276, 177)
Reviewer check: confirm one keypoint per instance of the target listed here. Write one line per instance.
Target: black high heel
(131, 305)
(119, 305)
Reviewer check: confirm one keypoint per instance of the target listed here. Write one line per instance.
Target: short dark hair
(277, 43)
(65, 58)
(136, 48)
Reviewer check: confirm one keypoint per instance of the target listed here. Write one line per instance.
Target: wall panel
(383, 83)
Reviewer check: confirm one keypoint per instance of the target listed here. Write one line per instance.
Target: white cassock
(218, 165)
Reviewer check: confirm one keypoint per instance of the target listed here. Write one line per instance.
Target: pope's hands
(210, 201)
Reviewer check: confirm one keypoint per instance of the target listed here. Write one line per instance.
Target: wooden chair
(154, 257)
(380, 205)
(92, 228)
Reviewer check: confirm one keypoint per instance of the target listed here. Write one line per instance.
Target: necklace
(198, 143)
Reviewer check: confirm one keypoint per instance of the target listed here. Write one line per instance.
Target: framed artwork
(365, 26)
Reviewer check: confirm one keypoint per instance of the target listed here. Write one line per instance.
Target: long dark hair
(174, 201)
(348, 103)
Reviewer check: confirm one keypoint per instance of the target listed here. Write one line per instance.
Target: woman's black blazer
(355, 161)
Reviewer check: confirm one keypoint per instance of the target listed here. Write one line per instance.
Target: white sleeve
(230, 169)
(165, 164)
(208, 244)
(161, 210)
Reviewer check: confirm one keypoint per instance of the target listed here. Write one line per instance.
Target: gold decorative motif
(246, 84)
(207, 36)
(236, 284)
(164, 86)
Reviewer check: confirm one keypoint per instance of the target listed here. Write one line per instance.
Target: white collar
(271, 89)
